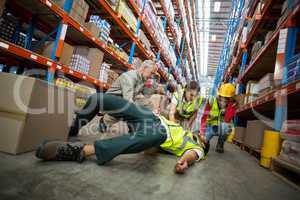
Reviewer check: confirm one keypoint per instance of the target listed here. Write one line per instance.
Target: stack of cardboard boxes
(251, 92)
(32, 111)
(254, 134)
(103, 75)
(103, 26)
(78, 11)
(266, 83)
(291, 146)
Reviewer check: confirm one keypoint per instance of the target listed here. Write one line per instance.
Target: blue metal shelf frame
(236, 11)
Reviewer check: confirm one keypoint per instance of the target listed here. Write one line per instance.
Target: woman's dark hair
(193, 85)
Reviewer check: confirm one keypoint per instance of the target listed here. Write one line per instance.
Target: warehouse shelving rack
(76, 30)
(281, 102)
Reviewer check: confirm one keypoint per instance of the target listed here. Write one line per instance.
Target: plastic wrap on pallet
(290, 152)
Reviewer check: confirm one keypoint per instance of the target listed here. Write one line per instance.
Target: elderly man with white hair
(128, 86)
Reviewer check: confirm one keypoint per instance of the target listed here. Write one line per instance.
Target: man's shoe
(60, 151)
(220, 148)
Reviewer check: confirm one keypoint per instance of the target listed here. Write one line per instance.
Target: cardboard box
(95, 56)
(93, 28)
(239, 134)
(66, 54)
(32, 111)
(255, 133)
(266, 82)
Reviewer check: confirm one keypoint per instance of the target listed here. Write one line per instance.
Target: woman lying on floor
(147, 130)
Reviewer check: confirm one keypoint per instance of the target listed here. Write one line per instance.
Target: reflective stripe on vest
(187, 109)
(179, 140)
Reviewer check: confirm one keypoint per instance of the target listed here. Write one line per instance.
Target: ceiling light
(217, 6)
(213, 37)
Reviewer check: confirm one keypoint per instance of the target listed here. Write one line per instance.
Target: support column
(59, 41)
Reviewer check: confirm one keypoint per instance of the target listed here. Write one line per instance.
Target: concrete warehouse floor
(234, 175)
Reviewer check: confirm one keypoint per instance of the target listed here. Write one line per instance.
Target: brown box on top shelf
(30, 114)
(93, 28)
(95, 56)
(255, 133)
(239, 134)
(66, 54)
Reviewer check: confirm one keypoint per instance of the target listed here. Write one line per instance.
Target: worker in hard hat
(221, 110)
(147, 130)
(185, 104)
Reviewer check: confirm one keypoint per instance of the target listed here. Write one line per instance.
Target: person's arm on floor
(186, 160)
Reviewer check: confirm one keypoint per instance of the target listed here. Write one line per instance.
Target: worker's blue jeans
(222, 131)
(145, 128)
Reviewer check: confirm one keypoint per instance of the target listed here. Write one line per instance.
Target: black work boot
(60, 151)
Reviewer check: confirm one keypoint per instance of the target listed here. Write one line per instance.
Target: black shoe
(102, 126)
(206, 147)
(220, 148)
(60, 151)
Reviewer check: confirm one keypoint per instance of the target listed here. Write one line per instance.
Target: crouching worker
(219, 119)
(185, 105)
(147, 130)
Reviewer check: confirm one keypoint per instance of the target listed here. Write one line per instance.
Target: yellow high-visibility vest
(179, 140)
(214, 117)
(187, 109)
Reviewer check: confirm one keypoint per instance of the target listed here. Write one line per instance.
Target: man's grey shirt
(128, 85)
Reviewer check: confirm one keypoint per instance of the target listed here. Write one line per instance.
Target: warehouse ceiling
(211, 18)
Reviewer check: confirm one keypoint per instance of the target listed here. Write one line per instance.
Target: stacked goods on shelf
(239, 134)
(78, 11)
(291, 146)
(125, 12)
(266, 83)
(87, 60)
(255, 49)
(8, 30)
(284, 13)
(178, 33)
(113, 4)
(294, 69)
(81, 92)
(268, 36)
(143, 38)
(20, 125)
(257, 12)
(66, 55)
(95, 56)
(251, 92)
(103, 75)
(103, 26)
(254, 134)
(80, 63)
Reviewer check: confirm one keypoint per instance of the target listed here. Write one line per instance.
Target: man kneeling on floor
(147, 130)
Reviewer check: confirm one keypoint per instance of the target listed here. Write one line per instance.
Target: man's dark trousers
(145, 128)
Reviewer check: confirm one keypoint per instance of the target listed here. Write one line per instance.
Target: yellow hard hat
(227, 90)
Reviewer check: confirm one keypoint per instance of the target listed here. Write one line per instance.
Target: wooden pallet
(286, 171)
